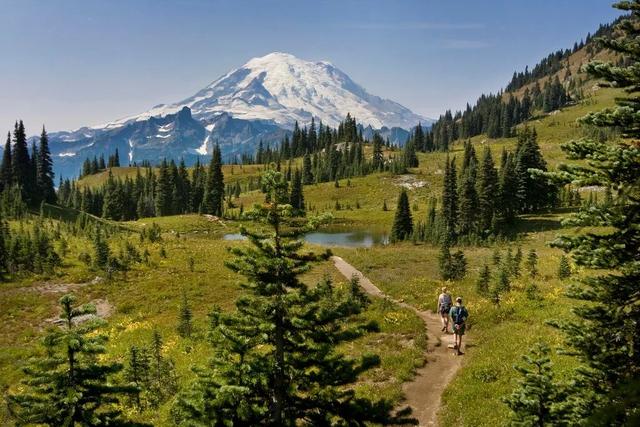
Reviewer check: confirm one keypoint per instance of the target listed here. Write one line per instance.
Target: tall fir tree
(214, 186)
(509, 205)
(378, 155)
(403, 222)
(164, 190)
(487, 191)
(307, 170)
(44, 170)
(112, 205)
(296, 198)
(450, 199)
(101, 252)
(534, 190)
(604, 333)
(468, 204)
(276, 359)
(21, 162)
(6, 169)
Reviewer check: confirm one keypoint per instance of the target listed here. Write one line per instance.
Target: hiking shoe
(460, 353)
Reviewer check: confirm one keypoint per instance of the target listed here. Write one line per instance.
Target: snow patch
(130, 150)
(166, 128)
(203, 148)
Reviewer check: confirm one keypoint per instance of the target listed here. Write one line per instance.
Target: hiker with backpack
(459, 316)
(444, 305)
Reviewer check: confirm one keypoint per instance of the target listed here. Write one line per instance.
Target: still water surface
(351, 239)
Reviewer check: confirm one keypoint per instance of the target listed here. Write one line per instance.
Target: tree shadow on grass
(540, 222)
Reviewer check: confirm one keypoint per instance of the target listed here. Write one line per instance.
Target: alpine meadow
(285, 248)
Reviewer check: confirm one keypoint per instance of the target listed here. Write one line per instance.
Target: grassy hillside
(148, 296)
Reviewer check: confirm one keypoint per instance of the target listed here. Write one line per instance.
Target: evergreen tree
(296, 199)
(21, 162)
(418, 138)
(44, 170)
(532, 263)
(538, 400)
(410, 159)
(164, 190)
(450, 199)
(604, 334)
(163, 381)
(496, 257)
(214, 187)
(137, 371)
(378, 156)
(508, 197)
(112, 205)
(564, 269)
(69, 384)
(458, 265)
(403, 222)
(6, 169)
(444, 260)
(517, 262)
(534, 191)
(307, 174)
(487, 191)
(101, 253)
(504, 284)
(468, 205)
(484, 280)
(185, 317)
(276, 359)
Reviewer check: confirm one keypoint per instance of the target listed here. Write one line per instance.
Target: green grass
(497, 336)
(149, 295)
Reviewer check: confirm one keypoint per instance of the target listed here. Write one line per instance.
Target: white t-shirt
(444, 300)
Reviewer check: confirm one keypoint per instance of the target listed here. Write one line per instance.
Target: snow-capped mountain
(261, 100)
(281, 88)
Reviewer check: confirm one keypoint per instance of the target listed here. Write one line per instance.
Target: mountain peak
(281, 88)
(259, 101)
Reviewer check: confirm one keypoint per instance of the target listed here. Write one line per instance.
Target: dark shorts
(459, 329)
(445, 311)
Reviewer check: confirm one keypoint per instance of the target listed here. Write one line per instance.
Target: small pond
(351, 239)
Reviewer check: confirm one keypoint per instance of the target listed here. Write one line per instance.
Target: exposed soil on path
(104, 309)
(424, 393)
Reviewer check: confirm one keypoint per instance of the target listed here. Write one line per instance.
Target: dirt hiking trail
(424, 393)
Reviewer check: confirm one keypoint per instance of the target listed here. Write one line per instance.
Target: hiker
(459, 316)
(444, 305)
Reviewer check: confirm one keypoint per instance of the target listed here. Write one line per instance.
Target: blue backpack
(459, 315)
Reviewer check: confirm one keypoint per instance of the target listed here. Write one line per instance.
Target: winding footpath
(424, 392)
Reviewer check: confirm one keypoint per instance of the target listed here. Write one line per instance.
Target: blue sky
(84, 62)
